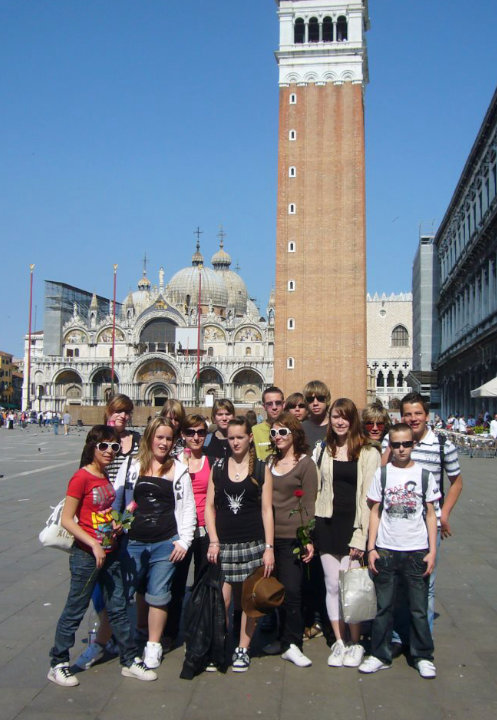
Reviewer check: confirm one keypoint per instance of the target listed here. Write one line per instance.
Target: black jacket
(205, 624)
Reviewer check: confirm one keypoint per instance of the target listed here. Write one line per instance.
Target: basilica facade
(158, 346)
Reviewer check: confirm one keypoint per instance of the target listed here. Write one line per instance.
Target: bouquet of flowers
(125, 519)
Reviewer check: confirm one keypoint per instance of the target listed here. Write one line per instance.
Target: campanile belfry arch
(321, 245)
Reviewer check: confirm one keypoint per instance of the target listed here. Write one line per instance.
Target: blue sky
(128, 123)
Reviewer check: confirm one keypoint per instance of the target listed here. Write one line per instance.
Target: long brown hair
(145, 455)
(355, 438)
(241, 421)
(300, 446)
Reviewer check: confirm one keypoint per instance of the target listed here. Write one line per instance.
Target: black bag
(205, 624)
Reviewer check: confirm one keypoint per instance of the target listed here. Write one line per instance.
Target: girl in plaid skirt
(239, 520)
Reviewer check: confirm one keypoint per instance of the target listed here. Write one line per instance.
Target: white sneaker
(295, 655)
(426, 668)
(372, 664)
(61, 675)
(152, 655)
(139, 671)
(335, 658)
(353, 655)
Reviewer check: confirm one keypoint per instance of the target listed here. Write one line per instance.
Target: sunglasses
(103, 446)
(190, 432)
(282, 432)
(275, 403)
(404, 443)
(370, 425)
(300, 406)
(319, 398)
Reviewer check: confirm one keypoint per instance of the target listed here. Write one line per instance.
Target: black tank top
(238, 507)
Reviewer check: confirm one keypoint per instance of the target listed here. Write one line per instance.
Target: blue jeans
(83, 580)
(151, 571)
(410, 566)
(400, 633)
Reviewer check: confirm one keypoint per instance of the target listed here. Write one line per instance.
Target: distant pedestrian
(55, 423)
(66, 419)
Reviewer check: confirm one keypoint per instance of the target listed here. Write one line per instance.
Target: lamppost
(113, 331)
(28, 379)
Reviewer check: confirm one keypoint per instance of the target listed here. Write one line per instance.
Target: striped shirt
(427, 453)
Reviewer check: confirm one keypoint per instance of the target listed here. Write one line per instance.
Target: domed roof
(221, 259)
(237, 291)
(182, 289)
(252, 310)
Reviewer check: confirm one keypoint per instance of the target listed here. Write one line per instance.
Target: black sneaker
(240, 660)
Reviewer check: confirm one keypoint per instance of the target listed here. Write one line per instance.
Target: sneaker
(335, 658)
(295, 655)
(240, 660)
(92, 654)
(426, 668)
(211, 667)
(111, 648)
(139, 671)
(372, 664)
(353, 655)
(152, 655)
(61, 675)
(272, 648)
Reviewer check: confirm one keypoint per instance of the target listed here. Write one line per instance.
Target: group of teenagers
(234, 495)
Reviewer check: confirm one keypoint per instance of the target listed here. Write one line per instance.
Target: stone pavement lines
(465, 650)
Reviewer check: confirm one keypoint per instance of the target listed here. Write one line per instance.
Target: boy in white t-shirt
(401, 543)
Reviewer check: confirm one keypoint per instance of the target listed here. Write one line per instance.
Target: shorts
(150, 570)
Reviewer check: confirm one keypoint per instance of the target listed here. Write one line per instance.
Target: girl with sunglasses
(239, 519)
(194, 432)
(117, 415)
(159, 489)
(296, 404)
(347, 463)
(94, 559)
(375, 423)
(294, 477)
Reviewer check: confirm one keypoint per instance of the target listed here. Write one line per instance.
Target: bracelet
(268, 546)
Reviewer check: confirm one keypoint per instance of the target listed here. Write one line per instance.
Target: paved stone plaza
(37, 465)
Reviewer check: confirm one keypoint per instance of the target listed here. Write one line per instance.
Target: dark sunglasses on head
(404, 443)
(103, 446)
(283, 432)
(370, 425)
(319, 398)
(190, 432)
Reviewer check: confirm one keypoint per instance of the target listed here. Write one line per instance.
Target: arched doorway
(156, 381)
(102, 387)
(247, 386)
(68, 387)
(211, 383)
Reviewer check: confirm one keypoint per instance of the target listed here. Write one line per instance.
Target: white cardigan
(184, 501)
(369, 461)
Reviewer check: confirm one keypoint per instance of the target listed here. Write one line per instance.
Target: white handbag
(53, 534)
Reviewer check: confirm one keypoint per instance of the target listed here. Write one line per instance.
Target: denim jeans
(83, 580)
(410, 566)
(400, 632)
(151, 571)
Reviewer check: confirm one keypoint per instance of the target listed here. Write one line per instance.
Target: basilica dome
(237, 290)
(182, 289)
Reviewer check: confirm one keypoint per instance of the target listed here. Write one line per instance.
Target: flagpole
(113, 330)
(28, 386)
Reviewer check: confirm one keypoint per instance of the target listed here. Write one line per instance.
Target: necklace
(238, 467)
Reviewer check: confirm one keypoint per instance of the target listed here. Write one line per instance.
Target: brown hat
(260, 594)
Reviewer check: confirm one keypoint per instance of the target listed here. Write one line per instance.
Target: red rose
(298, 493)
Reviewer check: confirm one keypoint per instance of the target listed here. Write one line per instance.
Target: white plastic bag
(53, 534)
(357, 595)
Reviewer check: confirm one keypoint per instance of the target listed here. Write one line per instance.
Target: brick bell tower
(320, 323)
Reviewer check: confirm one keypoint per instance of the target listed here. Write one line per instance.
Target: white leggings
(332, 564)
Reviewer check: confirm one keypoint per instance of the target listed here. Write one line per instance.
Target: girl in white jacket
(159, 490)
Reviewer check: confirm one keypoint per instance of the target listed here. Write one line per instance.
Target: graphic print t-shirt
(96, 496)
(402, 525)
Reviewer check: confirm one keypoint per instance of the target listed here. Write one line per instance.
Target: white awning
(489, 389)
